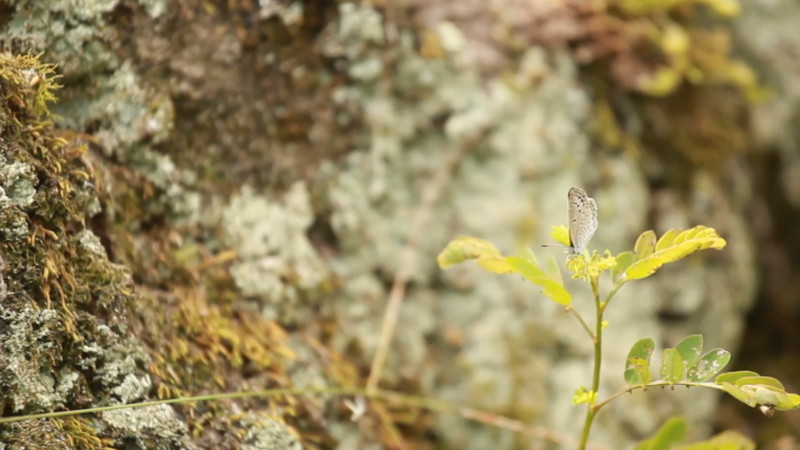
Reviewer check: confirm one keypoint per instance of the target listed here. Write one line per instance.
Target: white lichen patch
(132, 388)
(268, 433)
(25, 339)
(276, 261)
(159, 420)
(19, 181)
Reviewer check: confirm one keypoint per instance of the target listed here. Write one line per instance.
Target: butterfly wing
(582, 219)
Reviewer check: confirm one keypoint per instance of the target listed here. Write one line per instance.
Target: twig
(398, 291)
(411, 401)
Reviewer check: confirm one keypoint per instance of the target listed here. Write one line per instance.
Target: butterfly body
(582, 220)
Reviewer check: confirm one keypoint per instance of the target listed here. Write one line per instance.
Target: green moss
(62, 327)
(28, 85)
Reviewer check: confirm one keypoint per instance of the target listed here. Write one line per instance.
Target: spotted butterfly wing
(582, 219)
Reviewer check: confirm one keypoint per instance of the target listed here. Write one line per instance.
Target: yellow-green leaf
(554, 271)
(667, 239)
(645, 244)
(767, 395)
(727, 440)
(465, 248)
(495, 264)
(637, 365)
(792, 402)
(739, 394)
(561, 234)
(624, 260)
(725, 8)
(549, 287)
(733, 377)
(673, 246)
(671, 366)
(766, 381)
(671, 433)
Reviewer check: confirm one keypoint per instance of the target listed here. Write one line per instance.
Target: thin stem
(611, 294)
(426, 403)
(598, 359)
(655, 384)
(581, 320)
(419, 220)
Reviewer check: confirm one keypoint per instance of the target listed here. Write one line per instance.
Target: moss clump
(28, 85)
(63, 328)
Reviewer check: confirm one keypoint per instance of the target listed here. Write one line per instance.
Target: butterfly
(582, 220)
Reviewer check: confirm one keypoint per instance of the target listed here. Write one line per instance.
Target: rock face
(225, 194)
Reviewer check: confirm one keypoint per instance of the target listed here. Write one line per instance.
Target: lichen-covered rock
(220, 172)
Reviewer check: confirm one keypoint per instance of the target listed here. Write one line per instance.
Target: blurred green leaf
(637, 366)
(554, 271)
(465, 248)
(673, 432)
(494, 264)
(549, 287)
(671, 366)
(727, 440)
(690, 348)
(645, 244)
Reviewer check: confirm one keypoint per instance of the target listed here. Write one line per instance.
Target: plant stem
(662, 384)
(580, 319)
(591, 411)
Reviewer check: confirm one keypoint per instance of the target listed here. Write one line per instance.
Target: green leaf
(671, 366)
(489, 258)
(732, 377)
(549, 287)
(727, 440)
(624, 260)
(525, 267)
(645, 244)
(767, 395)
(673, 432)
(793, 402)
(708, 365)
(739, 394)
(766, 391)
(766, 381)
(465, 248)
(762, 390)
(733, 440)
(690, 348)
(672, 247)
(637, 366)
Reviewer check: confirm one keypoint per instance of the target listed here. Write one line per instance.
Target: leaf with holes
(708, 365)
(637, 366)
(690, 349)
